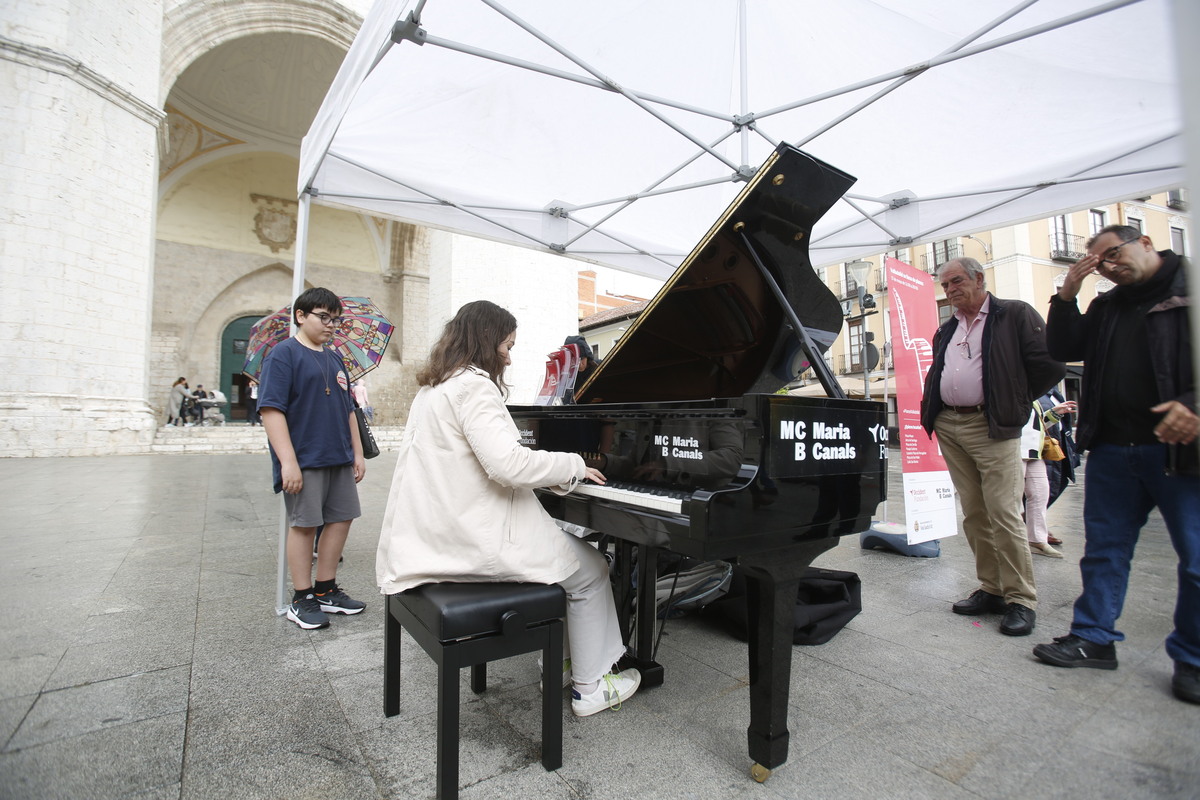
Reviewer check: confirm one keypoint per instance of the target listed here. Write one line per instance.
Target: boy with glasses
(316, 456)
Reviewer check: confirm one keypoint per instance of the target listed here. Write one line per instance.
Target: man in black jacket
(989, 364)
(1138, 421)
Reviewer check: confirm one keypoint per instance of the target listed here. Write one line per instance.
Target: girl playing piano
(461, 506)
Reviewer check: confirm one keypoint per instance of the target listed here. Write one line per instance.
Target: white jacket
(461, 506)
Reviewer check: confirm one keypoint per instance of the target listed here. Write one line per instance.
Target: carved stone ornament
(275, 223)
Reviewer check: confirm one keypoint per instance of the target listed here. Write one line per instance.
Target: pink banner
(928, 492)
(914, 319)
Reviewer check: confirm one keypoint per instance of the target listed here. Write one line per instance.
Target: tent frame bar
(946, 58)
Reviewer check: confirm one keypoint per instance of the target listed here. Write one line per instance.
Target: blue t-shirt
(294, 380)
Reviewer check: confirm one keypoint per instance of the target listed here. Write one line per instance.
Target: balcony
(1067, 247)
(941, 254)
(847, 289)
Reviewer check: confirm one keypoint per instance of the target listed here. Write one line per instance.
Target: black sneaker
(1072, 651)
(306, 612)
(1186, 683)
(980, 602)
(338, 602)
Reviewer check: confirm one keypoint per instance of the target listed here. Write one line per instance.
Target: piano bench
(467, 625)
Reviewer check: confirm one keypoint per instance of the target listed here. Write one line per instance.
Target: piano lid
(716, 328)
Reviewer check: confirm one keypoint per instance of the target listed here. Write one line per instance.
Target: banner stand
(928, 492)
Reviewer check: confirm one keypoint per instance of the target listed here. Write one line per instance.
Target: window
(1058, 233)
(944, 251)
(1136, 223)
(1177, 199)
(1063, 245)
(1060, 226)
(856, 343)
(1097, 219)
(1178, 241)
(945, 312)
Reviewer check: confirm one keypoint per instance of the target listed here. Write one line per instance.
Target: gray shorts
(329, 494)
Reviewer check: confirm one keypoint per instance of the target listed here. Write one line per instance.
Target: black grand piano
(703, 458)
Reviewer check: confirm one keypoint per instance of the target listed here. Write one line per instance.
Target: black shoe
(1186, 683)
(1072, 651)
(980, 602)
(1018, 620)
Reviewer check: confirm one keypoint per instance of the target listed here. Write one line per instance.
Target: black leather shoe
(1018, 620)
(1072, 651)
(1186, 683)
(980, 602)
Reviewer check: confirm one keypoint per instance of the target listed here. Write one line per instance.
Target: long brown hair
(472, 338)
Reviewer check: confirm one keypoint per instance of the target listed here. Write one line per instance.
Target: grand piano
(703, 458)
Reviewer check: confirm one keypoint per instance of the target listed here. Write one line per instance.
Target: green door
(233, 356)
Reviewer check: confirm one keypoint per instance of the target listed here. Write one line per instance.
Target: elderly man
(1138, 420)
(990, 363)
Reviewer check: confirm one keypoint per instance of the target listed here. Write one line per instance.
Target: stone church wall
(77, 149)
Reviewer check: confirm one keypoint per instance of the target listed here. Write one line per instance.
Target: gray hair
(972, 267)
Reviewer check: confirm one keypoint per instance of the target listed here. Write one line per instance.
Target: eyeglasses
(328, 320)
(1110, 255)
(965, 349)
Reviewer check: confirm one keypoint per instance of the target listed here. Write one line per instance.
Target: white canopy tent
(616, 132)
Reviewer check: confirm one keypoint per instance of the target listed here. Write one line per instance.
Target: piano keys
(705, 459)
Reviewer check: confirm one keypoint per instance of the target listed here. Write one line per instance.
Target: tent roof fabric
(616, 131)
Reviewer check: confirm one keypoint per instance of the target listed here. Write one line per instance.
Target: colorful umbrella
(360, 340)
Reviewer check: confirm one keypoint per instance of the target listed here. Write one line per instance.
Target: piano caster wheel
(760, 773)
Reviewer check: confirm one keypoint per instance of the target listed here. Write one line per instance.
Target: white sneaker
(614, 689)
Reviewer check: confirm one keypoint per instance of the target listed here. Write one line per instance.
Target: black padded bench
(467, 625)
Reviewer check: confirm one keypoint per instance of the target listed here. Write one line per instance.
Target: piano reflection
(703, 457)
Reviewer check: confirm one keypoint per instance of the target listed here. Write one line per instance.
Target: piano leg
(772, 585)
(642, 638)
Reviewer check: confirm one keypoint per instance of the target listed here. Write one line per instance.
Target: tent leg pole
(297, 290)
(281, 587)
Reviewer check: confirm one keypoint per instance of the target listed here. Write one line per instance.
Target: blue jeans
(1122, 485)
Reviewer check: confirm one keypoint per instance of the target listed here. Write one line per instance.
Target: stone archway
(192, 29)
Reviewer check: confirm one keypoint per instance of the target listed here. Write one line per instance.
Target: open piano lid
(716, 328)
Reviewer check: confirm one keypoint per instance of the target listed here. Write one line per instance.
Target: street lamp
(859, 271)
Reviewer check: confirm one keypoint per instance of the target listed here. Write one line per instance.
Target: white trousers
(593, 636)
(1037, 495)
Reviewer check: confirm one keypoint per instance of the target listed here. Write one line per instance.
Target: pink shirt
(962, 376)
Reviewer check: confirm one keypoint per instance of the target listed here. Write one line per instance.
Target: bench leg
(447, 733)
(391, 662)
(552, 659)
(479, 678)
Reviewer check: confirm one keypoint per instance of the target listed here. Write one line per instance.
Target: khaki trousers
(989, 476)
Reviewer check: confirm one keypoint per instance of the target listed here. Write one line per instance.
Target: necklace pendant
(326, 391)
